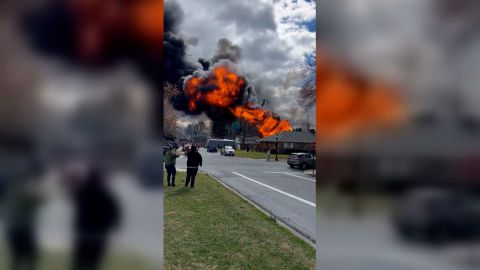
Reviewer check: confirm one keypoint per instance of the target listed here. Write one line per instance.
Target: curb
(267, 213)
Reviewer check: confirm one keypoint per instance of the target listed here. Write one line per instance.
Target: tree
(246, 131)
(194, 130)
(170, 116)
(307, 95)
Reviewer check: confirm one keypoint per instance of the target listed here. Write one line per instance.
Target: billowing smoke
(225, 58)
(214, 86)
(175, 46)
(227, 50)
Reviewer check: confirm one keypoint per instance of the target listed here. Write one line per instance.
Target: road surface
(287, 194)
(369, 242)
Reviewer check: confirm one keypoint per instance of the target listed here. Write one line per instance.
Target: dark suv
(301, 160)
(435, 215)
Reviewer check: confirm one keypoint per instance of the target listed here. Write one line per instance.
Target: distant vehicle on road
(437, 216)
(228, 151)
(212, 149)
(220, 143)
(301, 160)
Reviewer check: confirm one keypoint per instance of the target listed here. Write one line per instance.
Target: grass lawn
(258, 155)
(50, 260)
(210, 227)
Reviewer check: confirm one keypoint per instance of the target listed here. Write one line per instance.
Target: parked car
(212, 149)
(437, 216)
(301, 160)
(228, 151)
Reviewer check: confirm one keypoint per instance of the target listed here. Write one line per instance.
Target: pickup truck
(301, 160)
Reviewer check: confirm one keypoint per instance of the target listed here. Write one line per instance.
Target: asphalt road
(287, 194)
(369, 242)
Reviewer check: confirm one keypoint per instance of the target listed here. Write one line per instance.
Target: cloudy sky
(429, 49)
(274, 35)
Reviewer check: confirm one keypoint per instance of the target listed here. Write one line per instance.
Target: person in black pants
(97, 214)
(194, 159)
(170, 158)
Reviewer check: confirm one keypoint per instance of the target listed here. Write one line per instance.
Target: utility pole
(276, 146)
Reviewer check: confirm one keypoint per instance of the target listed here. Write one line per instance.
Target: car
(437, 216)
(228, 151)
(212, 149)
(301, 160)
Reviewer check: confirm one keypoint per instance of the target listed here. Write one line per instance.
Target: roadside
(284, 193)
(258, 155)
(210, 227)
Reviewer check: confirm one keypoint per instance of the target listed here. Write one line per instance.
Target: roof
(444, 139)
(291, 136)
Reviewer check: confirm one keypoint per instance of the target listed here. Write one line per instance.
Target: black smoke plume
(175, 46)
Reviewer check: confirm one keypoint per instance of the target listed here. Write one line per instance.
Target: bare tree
(195, 130)
(246, 131)
(170, 116)
(307, 95)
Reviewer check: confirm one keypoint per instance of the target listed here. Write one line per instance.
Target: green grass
(52, 260)
(258, 155)
(210, 227)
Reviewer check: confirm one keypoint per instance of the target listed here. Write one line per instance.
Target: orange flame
(223, 88)
(349, 103)
(265, 122)
(228, 86)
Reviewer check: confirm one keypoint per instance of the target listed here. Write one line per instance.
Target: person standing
(22, 200)
(97, 215)
(194, 159)
(22, 207)
(170, 161)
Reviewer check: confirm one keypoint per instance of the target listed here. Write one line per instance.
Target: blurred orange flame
(98, 22)
(349, 103)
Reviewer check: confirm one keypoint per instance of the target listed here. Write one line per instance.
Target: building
(433, 151)
(288, 142)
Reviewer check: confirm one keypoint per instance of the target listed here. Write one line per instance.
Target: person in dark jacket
(97, 213)
(170, 158)
(21, 173)
(194, 159)
(22, 205)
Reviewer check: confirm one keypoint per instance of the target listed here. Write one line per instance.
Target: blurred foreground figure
(22, 208)
(96, 216)
(22, 202)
